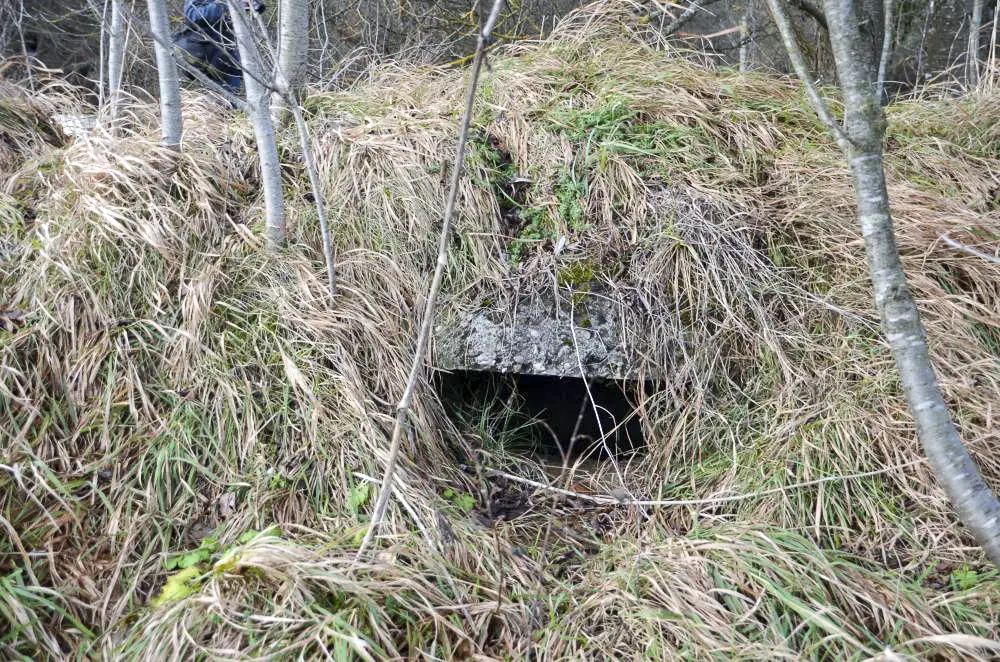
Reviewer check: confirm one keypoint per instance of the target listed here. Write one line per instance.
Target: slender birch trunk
(293, 46)
(972, 59)
(991, 61)
(861, 140)
(745, 37)
(102, 61)
(257, 97)
(116, 57)
(888, 14)
(282, 89)
(170, 87)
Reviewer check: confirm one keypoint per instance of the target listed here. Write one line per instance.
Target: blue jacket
(209, 38)
(210, 17)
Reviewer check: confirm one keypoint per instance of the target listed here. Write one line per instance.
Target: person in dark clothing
(208, 40)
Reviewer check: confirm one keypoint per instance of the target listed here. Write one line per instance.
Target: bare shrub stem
(888, 11)
(284, 90)
(423, 338)
(171, 124)
(257, 95)
(787, 32)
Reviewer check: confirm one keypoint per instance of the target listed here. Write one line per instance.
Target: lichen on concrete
(544, 334)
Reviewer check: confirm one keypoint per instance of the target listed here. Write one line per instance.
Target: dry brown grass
(172, 380)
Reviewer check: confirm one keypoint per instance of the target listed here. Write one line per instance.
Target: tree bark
(116, 57)
(281, 89)
(293, 46)
(865, 128)
(975, 25)
(886, 54)
(170, 88)
(257, 97)
(810, 8)
(745, 32)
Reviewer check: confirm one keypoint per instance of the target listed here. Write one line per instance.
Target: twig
(923, 40)
(781, 19)
(406, 506)
(969, 250)
(425, 533)
(590, 398)
(609, 500)
(686, 16)
(423, 337)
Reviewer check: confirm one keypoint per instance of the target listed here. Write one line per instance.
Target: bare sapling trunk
(745, 37)
(423, 336)
(293, 46)
(922, 48)
(888, 14)
(102, 60)
(305, 143)
(116, 58)
(29, 56)
(972, 61)
(166, 68)
(862, 142)
(991, 61)
(257, 89)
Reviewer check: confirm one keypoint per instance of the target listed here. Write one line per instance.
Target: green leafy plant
(462, 500)
(358, 496)
(208, 547)
(964, 578)
(179, 585)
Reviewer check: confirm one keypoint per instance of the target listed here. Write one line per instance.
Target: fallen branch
(416, 368)
(969, 250)
(687, 15)
(624, 500)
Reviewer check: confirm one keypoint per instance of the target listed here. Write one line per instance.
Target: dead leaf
(11, 320)
(227, 505)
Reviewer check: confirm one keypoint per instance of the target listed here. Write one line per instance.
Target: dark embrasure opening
(557, 418)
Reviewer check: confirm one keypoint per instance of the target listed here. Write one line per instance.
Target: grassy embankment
(168, 389)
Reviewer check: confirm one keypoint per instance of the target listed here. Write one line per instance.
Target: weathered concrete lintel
(543, 336)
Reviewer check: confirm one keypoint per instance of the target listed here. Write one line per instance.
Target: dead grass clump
(195, 430)
(27, 126)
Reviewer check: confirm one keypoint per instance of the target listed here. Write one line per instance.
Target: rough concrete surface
(544, 335)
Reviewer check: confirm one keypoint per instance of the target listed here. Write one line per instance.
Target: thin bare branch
(969, 250)
(423, 338)
(780, 15)
(888, 11)
(687, 15)
(809, 7)
(623, 500)
(288, 94)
